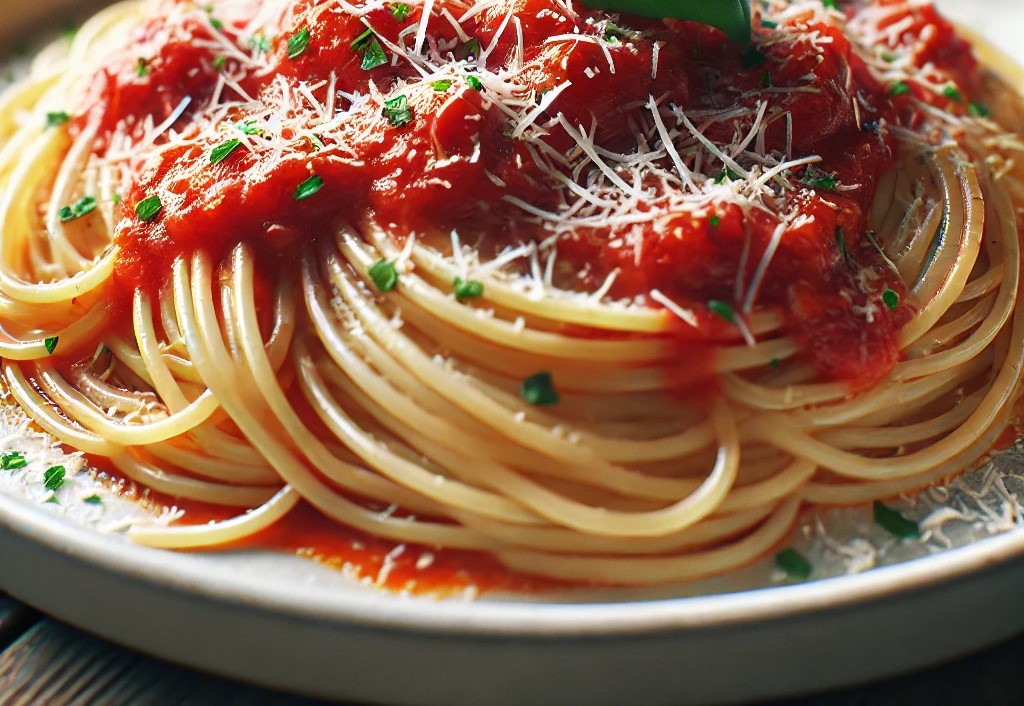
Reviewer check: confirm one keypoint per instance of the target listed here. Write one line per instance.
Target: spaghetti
(608, 299)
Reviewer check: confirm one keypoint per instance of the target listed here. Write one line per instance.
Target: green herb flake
(400, 11)
(539, 390)
(372, 53)
(819, 179)
(308, 187)
(297, 43)
(396, 110)
(468, 50)
(219, 61)
(12, 460)
(774, 363)
(894, 522)
(891, 299)
(441, 86)
(93, 500)
(147, 208)
(830, 4)
(979, 110)
(613, 33)
(384, 275)
(474, 82)
(52, 499)
(216, 24)
(722, 310)
(53, 477)
(794, 564)
(260, 43)
(467, 289)
(766, 79)
(841, 244)
(141, 67)
(714, 221)
(900, 88)
(953, 93)
(50, 344)
(726, 174)
(57, 119)
(82, 207)
(223, 151)
(249, 127)
(769, 24)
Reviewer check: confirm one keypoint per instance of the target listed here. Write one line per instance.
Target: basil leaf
(730, 16)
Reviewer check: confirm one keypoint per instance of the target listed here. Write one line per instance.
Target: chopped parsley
(260, 43)
(308, 187)
(714, 221)
(774, 363)
(539, 390)
(613, 33)
(223, 150)
(468, 50)
(467, 289)
(830, 4)
(794, 564)
(216, 24)
(50, 344)
(82, 207)
(841, 244)
(400, 10)
(93, 499)
(53, 477)
(979, 110)
(297, 43)
(249, 127)
(766, 79)
(769, 24)
(474, 82)
(953, 93)
(372, 53)
(56, 119)
(722, 310)
(819, 179)
(141, 67)
(396, 110)
(726, 174)
(384, 275)
(900, 88)
(894, 522)
(12, 460)
(219, 61)
(891, 299)
(442, 85)
(147, 208)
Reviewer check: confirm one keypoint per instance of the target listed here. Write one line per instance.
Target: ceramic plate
(877, 607)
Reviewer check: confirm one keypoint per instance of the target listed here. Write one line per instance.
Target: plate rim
(504, 618)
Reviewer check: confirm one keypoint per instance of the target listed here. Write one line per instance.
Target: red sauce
(455, 163)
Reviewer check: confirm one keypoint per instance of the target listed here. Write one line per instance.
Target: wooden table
(46, 663)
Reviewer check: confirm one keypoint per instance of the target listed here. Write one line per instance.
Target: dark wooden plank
(989, 678)
(57, 665)
(15, 618)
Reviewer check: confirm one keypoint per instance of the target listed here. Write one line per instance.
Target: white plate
(289, 623)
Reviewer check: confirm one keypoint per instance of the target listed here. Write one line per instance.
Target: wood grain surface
(45, 663)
